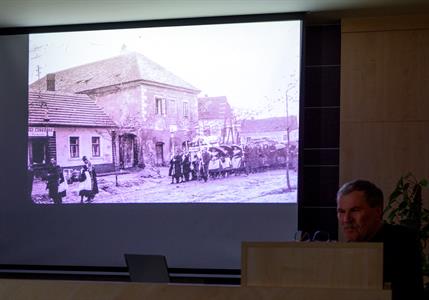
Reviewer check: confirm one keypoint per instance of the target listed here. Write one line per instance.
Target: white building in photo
(67, 127)
(270, 129)
(143, 98)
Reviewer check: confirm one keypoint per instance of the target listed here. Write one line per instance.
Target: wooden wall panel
(384, 116)
(328, 265)
(381, 151)
(385, 23)
(385, 76)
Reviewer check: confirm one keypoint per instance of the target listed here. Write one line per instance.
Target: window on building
(207, 130)
(160, 106)
(185, 109)
(74, 147)
(172, 108)
(95, 146)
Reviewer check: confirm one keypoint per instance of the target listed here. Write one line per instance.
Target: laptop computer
(147, 268)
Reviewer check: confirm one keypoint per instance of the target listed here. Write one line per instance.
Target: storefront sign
(40, 131)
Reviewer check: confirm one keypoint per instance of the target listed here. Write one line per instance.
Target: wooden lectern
(330, 265)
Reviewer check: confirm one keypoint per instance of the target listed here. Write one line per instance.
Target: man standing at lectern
(360, 215)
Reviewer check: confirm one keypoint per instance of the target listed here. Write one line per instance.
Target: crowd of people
(189, 166)
(57, 184)
(202, 163)
(198, 163)
(262, 157)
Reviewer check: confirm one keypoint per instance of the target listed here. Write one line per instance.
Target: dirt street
(154, 186)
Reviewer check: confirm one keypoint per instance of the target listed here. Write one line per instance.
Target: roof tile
(65, 110)
(129, 67)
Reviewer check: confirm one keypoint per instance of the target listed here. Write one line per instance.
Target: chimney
(50, 82)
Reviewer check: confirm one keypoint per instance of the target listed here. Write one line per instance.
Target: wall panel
(384, 118)
(321, 98)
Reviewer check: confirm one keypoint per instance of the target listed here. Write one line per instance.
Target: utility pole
(287, 143)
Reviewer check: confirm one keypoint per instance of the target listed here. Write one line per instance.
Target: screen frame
(299, 16)
(167, 23)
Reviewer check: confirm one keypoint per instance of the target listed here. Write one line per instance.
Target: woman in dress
(93, 175)
(85, 185)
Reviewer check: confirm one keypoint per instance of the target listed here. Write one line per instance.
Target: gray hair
(373, 195)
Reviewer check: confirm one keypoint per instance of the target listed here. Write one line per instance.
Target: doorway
(127, 151)
(159, 149)
(37, 151)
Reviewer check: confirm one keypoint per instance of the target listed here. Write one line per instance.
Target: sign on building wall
(40, 131)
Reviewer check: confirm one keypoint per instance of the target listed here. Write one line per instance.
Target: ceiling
(23, 13)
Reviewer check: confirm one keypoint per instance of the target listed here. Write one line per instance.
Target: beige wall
(134, 104)
(384, 120)
(85, 146)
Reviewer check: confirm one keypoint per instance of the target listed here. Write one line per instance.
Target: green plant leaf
(392, 215)
(395, 194)
(405, 195)
(405, 206)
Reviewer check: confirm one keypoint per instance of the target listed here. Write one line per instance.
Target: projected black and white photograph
(186, 114)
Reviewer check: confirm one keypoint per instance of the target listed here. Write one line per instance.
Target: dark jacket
(54, 178)
(402, 265)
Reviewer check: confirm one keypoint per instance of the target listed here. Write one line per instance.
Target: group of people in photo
(191, 163)
(202, 163)
(189, 166)
(57, 184)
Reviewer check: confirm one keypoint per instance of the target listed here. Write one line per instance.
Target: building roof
(269, 124)
(62, 109)
(122, 69)
(211, 108)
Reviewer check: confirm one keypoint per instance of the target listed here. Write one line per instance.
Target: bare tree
(286, 97)
(289, 96)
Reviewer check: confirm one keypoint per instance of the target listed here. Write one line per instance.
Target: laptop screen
(147, 268)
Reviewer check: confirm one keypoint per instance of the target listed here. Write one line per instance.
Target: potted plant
(406, 207)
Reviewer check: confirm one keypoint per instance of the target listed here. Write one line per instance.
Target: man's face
(358, 220)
